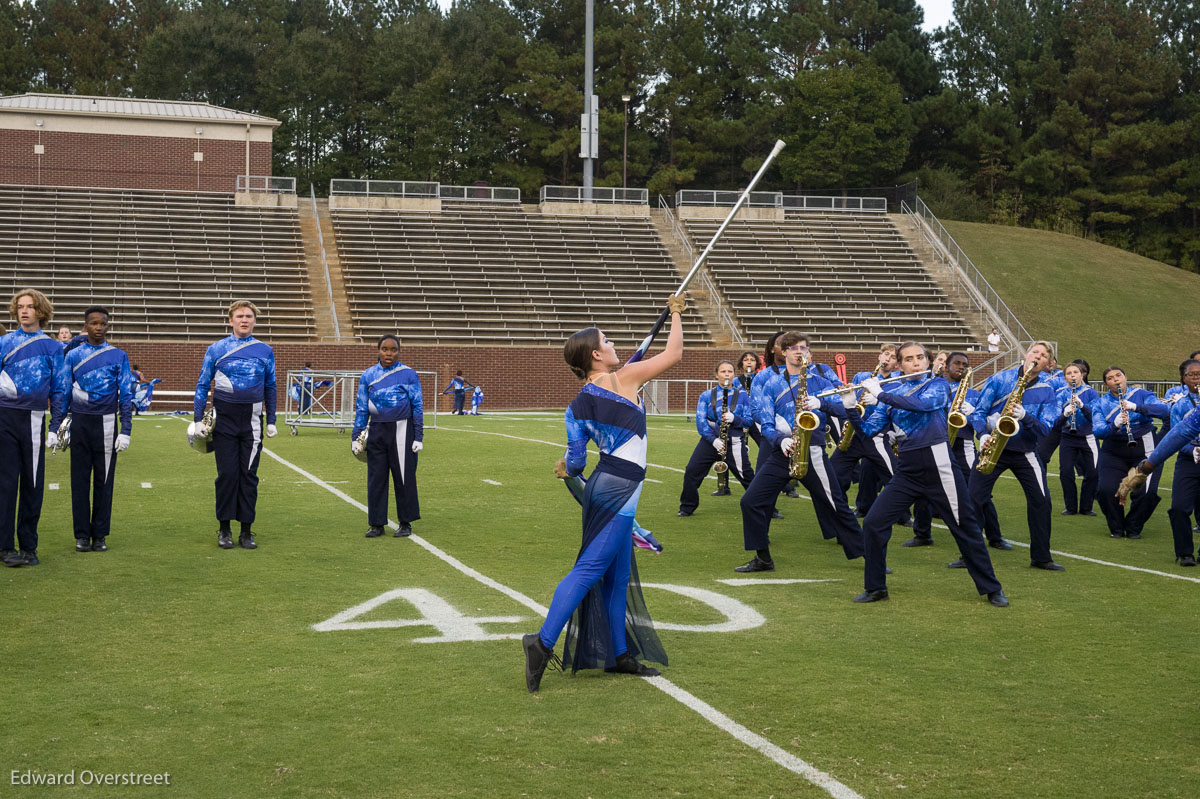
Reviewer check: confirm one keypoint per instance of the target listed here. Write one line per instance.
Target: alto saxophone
(955, 418)
(721, 467)
(1006, 427)
(803, 425)
(848, 428)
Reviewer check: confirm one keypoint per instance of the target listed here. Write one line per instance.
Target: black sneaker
(98, 544)
(791, 493)
(684, 513)
(11, 557)
(1069, 512)
(30, 556)
(537, 658)
(225, 539)
(83, 545)
(1187, 560)
(1134, 536)
(720, 492)
(775, 514)
(403, 531)
(998, 599)
(628, 664)
(374, 532)
(756, 564)
(1000, 543)
(919, 541)
(1116, 535)
(246, 541)
(956, 564)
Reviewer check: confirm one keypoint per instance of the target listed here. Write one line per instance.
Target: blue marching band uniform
(710, 409)
(389, 407)
(1126, 446)
(1077, 449)
(1184, 440)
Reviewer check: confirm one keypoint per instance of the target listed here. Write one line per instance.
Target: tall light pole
(625, 98)
(590, 113)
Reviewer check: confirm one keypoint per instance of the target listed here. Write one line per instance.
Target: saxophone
(721, 467)
(848, 428)
(955, 418)
(803, 425)
(1006, 427)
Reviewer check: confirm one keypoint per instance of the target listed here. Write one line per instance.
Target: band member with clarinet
(870, 454)
(1077, 444)
(101, 408)
(1185, 485)
(32, 376)
(598, 588)
(916, 409)
(795, 454)
(1124, 419)
(1034, 409)
(773, 359)
(389, 409)
(749, 370)
(721, 414)
(241, 370)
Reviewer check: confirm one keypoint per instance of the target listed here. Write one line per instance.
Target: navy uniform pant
(1078, 452)
(1031, 474)
(1184, 489)
(389, 454)
(833, 514)
(22, 469)
(963, 458)
(237, 444)
(93, 470)
(1116, 459)
(927, 472)
(703, 458)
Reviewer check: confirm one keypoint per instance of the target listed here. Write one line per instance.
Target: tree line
(1081, 116)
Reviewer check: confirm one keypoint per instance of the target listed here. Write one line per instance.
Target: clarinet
(721, 467)
(1130, 441)
(1071, 425)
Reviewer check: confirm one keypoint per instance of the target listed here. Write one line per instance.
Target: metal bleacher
(166, 264)
(849, 279)
(495, 273)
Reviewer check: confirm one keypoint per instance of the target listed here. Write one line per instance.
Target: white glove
(871, 384)
(356, 447)
(417, 446)
(198, 429)
(272, 431)
(786, 445)
(1196, 454)
(52, 440)
(984, 439)
(122, 443)
(849, 401)
(811, 403)
(1068, 409)
(967, 408)
(719, 447)
(727, 417)
(1019, 412)
(1126, 405)
(992, 420)
(868, 400)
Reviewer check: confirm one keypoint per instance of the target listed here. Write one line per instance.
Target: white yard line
(781, 756)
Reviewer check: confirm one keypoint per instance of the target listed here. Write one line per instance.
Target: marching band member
(774, 409)
(917, 409)
(1124, 418)
(773, 359)
(1185, 485)
(32, 374)
(101, 396)
(1053, 376)
(241, 370)
(606, 411)
(726, 405)
(750, 367)
(1174, 394)
(871, 453)
(1078, 448)
(389, 407)
(1035, 413)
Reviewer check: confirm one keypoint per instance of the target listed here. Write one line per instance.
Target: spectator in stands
(32, 375)
(607, 411)
(102, 392)
(994, 340)
(242, 369)
(458, 385)
(390, 409)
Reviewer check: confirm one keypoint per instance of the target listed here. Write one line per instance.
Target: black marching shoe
(225, 539)
(956, 564)
(11, 557)
(1000, 543)
(1087, 513)
(791, 492)
(1116, 535)
(537, 658)
(246, 540)
(83, 545)
(775, 514)
(374, 532)
(756, 564)
(907, 523)
(628, 664)
(859, 514)
(1068, 513)
(1047, 565)
(721, 492)
(998, 599)
(404, 531)
(98, 544)
(1187, 560)
(30, 556)
(872, 596)
(919, 541)
(683, 513)
(1134, 536)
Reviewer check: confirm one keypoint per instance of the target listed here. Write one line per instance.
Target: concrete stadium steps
(166, 264)
(502, 274)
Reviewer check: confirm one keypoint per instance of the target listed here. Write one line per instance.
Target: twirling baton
(662, 318)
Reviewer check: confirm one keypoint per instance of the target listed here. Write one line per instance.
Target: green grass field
(1099, 303)
(166, 654)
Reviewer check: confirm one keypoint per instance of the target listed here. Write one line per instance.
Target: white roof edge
(130, 107)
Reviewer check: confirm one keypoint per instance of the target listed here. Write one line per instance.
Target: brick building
(113, 142)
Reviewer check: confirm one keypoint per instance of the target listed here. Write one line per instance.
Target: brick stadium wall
(128, 162)
(513, 378)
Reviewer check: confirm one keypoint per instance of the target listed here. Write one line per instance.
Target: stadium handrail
(384, 188)
(805, 202)
(599, 194)
(507, 194)
(758, 199)
(337, 329)
(265, 184)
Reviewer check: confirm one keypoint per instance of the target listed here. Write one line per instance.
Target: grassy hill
(1105, 305)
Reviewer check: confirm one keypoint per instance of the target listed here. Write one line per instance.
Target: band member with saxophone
(773, 359)
(241, 370)
(826, 371)
(32, 376)
(389, 408)
(721, 413)
(1016, 399)
(1077, 444)
(916, 409)
(785, 399)
(101, 408)
(1124, 419)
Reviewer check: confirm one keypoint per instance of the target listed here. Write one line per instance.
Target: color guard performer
(721, 414)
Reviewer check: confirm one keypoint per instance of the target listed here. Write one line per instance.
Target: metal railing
(599, 194)
(803, 202)
(265, 184)
(981, 295)
(758, 199)
(337, 329)
(504, 194)
(384, 188)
